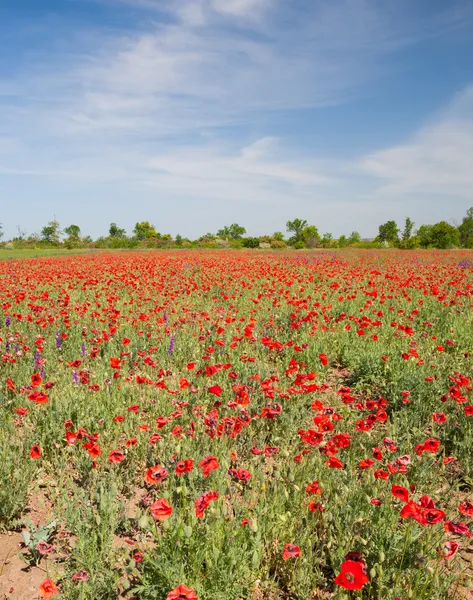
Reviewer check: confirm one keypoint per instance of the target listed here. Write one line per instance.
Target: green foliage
(251, 242)
(278, 244)
(278, 236)
(72, 231)
(145, 230)
(234, 232)
(465, 230)
(51, 232)
(115, 231)
(408, 229)
(327, 240)
(296, 227)
(33, 537)
(299, 245)
(354, 238)
(441, 235)
(389, 233)
(310, 236)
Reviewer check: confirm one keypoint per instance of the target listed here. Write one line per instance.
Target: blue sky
(194, 114)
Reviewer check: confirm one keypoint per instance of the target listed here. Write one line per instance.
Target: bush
(251, 242)
(277, 244)
(299, 245)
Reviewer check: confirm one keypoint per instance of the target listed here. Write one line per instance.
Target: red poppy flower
(35, 452)
(400, 492)
(182, 592)
(116, 457)
(216, 390)
(313, 488)
(466, 508)
(184, 466)
(155, 475)
(448, 550)
(48, 589)
(36, 379)
(412, 510)
(334, 463)
(314, 506)
(323, 359)
(353, 575)
(203, 502)
(208, 464)
(291, 551)
(80, 576)
(161, 509)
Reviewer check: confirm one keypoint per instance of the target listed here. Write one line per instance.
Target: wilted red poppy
(448, 550)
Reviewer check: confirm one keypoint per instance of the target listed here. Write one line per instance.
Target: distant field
(6, 253)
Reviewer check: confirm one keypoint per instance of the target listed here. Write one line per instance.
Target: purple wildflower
(75, 377)
(171, 344)
(58, 340)
(83, 351)
(7, 321)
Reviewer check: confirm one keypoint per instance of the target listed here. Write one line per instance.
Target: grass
(310, 383)
(25, 253)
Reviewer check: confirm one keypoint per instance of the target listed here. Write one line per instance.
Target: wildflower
(182, 592)
(291, 551)
(161, 509)
(353, 575)
(48, 589)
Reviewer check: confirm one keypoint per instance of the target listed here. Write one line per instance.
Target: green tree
(296, 227)
(327, 239)
(72, 231)
(115, 231)
(342, 241)
(389, 232)
(278, 235)
(354, 238)
(444, 235)
(408, 229)
(51, 232)
(178, 240)
(465, 230)
(424, 233)
(234, 232)
(310, 236)
(145, 230)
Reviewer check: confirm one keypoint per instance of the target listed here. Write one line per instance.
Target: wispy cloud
(437, 160)
(173, 106)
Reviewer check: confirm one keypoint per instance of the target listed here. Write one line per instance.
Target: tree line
(299, 234)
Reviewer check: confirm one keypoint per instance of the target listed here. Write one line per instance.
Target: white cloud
(183, 107)
(437, 160)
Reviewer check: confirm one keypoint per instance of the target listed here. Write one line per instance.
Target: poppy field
(234, 425)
